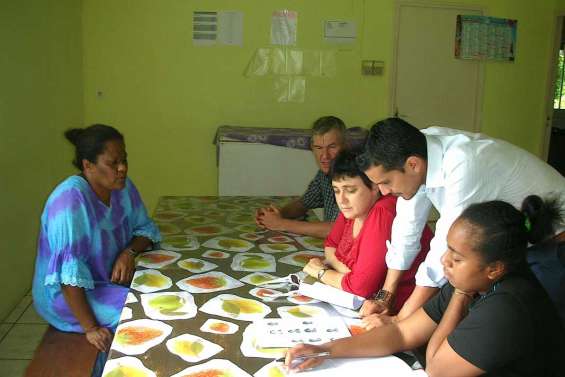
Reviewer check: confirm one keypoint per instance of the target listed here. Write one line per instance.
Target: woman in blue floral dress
(92, 227)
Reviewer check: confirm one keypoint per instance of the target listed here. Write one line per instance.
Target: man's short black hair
(390, 143)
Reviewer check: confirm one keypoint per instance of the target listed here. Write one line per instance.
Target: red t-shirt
(365, 254)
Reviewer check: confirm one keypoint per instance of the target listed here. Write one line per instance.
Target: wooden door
(430, 86)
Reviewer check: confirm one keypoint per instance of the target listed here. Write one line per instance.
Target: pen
(304, 357)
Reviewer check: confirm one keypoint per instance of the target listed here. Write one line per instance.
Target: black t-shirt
(513, 330)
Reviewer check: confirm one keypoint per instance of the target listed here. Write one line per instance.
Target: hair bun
(74, 134)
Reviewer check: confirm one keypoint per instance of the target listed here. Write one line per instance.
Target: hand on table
(377, 320)
(374, 307)
(99, 337)
(270, 218)
(313, 266)
(299, 350)
(124, 268)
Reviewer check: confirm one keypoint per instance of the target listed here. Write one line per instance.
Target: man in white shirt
(449, 169)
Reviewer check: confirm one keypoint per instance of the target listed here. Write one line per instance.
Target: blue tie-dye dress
(79, 240)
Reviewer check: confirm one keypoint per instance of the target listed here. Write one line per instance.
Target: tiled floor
(20, 333)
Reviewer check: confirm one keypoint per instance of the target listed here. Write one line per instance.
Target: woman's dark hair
(544, 213)
(344, 165)
(390, 143)
(90, 142)
(503, 232)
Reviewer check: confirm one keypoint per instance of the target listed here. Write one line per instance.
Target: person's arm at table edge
(294, 210)
(317, 229)
(383, 341)
(75, 297)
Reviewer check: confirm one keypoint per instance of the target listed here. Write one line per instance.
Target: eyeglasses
(291, 283)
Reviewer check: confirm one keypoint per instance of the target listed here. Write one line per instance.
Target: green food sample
(259, 279)
(232, 243)
(279, 246)
(168, 304)
(255, 264)
(150, 280)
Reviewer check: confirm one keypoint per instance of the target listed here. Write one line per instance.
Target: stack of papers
(288, 332)
(331, 295)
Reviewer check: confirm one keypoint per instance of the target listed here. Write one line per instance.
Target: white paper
(148, 281)
(218, 326)
(230, 28)
(340, 31)
(229, 244)
(283, 27)
(180, 243)
(259, 278)
(249, 347)
(301, 258)
(226, 367)
(168, 305)
(389, 366)
(126, 314)
(130, 298)
(204, 28)
(287, 332)
(301, 299)
(251, 236)
(156, 258)
(265, 294)
(311, 243)
(254, 262)
(212, 281)
(126, 332)
(307, 311)
(277, 247)
(280, 239)
(131, 364)
(215, 254)
(248, 309)
(183, 347)
(272, 369)
(331, 295)
(196, 265)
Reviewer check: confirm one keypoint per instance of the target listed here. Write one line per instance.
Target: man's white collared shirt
(463, 168)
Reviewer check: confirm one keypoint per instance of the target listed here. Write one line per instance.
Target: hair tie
(527, 223)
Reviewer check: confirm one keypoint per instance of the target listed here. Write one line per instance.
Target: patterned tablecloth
(284, 137)
(161, 330)
(192, 302)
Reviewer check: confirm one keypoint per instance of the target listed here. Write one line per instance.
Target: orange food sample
(264, 292)
(303, 258)
(207, 282)
(137, 335)
(207, 373)
(219, 327)
(356, 330)
(217, 254)
(302, 298)
(155, 258)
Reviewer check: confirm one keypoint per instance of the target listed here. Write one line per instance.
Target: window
(559, 96)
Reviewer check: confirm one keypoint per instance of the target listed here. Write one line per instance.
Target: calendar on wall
(485, 38)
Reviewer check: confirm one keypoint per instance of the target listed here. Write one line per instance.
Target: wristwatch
(384, 296)
(321, 273)
(132, 251)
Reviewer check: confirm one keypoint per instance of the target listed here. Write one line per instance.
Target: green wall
(131, 63)
(169, 96)
(41, 76)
